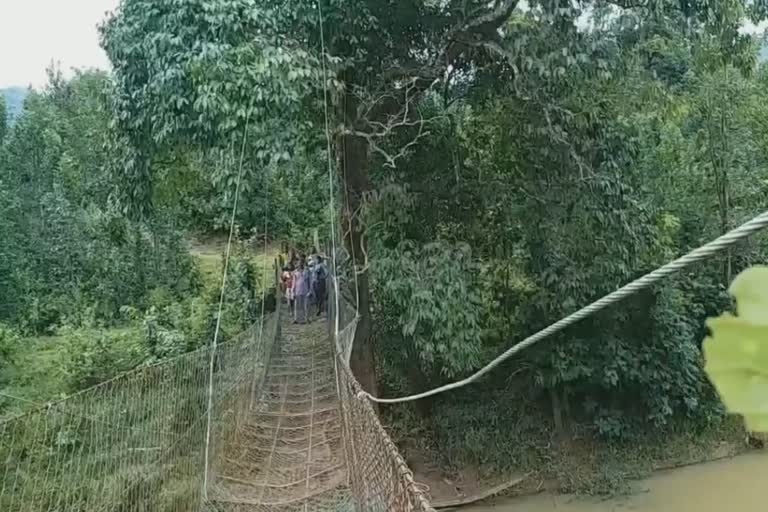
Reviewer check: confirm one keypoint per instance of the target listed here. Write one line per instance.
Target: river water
(732, 485)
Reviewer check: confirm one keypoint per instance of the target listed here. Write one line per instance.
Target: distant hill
(14, 100)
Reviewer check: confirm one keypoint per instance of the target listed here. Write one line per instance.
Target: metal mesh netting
(286, 432)
(379, 478)
(310, 443)
(135, 443)
(289, 455)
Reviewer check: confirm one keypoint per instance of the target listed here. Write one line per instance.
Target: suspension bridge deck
(289, 452)
(270, 420)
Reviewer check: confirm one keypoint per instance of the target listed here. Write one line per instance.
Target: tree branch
(382, 130)
(421, 76)
(630, 4)
(489, 21)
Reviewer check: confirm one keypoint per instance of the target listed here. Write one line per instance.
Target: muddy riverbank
(738, 484)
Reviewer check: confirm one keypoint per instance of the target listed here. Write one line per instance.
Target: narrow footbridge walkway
(290, 453)
(270, 420)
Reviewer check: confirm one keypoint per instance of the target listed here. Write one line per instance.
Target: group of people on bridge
(303, 283)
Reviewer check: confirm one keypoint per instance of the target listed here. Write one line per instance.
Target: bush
(242, 298)
(94, 356)
(430, 308)
(93, 265)
(160, 298)
(9, 343)
(162, 342)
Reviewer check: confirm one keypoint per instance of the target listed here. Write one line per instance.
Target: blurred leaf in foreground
(736, 353)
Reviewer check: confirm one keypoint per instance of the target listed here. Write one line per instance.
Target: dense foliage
(89, 292)
(66, 249)
(567, 183)
(569, 160)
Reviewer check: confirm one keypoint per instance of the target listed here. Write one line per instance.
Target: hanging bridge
(273, 420)
(270, 421)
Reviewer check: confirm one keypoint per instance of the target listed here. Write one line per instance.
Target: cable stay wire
(214, 344)
(704, 252)
(264, 269)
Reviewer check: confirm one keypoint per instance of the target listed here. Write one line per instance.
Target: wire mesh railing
(137, 442)
(290, 455)
(379, 478)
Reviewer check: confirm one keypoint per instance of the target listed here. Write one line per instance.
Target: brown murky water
(733, 485)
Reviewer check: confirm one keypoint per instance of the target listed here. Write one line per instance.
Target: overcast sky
(35, 32)
(751, 28)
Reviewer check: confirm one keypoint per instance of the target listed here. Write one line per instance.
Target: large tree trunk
(362, 360)
(352, 161)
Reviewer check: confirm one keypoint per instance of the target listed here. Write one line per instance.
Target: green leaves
(570, 160)
(69, 255)
(9, 344)
(737, 351)
(429, 297)
(196, 71)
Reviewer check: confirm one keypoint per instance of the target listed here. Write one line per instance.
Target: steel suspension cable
(702, 253)
(214, 344)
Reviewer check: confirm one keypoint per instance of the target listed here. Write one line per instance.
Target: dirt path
(209, 252)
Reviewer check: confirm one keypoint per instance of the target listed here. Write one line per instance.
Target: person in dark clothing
(320, 276)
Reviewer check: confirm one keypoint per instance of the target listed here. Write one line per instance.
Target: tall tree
(65, 245)
(197, 70)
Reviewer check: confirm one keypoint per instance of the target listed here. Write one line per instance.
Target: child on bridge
(287, 284)
(301, 279)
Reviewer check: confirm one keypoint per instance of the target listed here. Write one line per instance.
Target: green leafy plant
(428, 297)
(93, 356)
(9, 344)
(737, 351)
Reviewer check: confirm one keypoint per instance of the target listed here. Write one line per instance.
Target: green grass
(501, 438)
(210, 268)
(210, 254)
(36, 374)
(598, 467)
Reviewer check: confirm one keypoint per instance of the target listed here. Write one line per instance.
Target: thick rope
(221, 307)
(702, 253)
